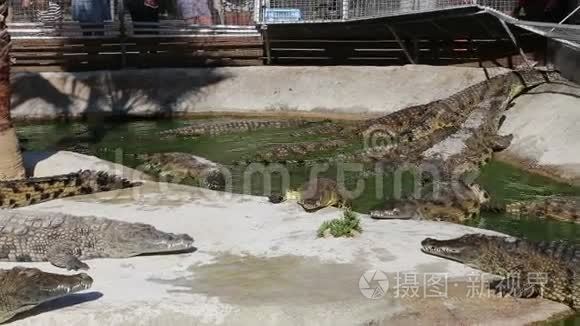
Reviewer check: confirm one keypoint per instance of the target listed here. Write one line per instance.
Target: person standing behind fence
(49, 12)
(195, 11)
(92, 15)
(144, 11)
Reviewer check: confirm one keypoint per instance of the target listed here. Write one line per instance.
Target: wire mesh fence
(566, 32)
(332, 10)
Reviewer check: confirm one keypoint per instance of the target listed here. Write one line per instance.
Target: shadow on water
(60, 303)
(113, 96)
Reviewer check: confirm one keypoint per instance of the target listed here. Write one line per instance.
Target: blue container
(282, 15)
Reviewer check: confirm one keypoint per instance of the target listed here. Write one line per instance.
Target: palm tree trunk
(11, 166)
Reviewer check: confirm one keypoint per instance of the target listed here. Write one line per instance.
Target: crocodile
(326, 128)
(473, 145)
(22, 289)
(64, 240)
(177, 167)
(560, 208)
(314, 195)
(455, 203)
(225, 127)
(293, 152)
(550, 269)
(30, 191)
(450, 113)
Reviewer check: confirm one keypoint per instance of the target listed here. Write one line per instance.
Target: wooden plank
(210, 40)
(102, 59)
(67, 50)
(322, 53)
(171, 57)
(140, 61)
(188, 48)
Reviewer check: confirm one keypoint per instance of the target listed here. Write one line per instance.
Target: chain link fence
(336, 10)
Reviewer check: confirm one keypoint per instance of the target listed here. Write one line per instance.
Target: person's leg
(202, 13)
(138, 17)
(186, 11)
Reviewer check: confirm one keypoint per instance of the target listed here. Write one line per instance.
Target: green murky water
(118, 142)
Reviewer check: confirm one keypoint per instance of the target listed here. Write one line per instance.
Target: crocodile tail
(218, 128)
(525, 79)
(25, 192)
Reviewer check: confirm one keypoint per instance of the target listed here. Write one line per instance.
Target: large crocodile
(560, 208)
(181, 167)
(22, 289)
(24, 192)
(531, 269)
(226, 127)
(314, 195)
(64, 240)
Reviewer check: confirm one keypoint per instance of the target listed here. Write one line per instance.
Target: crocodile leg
(499, 143)
(62, 255)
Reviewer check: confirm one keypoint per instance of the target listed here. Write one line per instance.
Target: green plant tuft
(346, 226)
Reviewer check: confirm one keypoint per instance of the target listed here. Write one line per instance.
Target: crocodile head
(313, 204)
(468, 249)
(398, 209)
(22, 289)
(133, 239)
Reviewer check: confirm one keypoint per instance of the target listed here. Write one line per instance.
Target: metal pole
(566, 18)
(515, 42)
(122, 33)
(257, 11)
(266, 43)
(392, 30)
(345, 4)
(113, 5)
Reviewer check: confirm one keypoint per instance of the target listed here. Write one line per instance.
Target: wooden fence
(456, 40)
(389, 52)
(79, 54)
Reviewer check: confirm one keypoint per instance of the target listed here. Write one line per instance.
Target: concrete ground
(261, 263)
(545, 123)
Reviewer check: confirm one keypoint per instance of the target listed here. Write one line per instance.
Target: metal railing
(297, 11)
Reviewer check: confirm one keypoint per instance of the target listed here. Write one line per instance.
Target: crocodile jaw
(25, 288)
